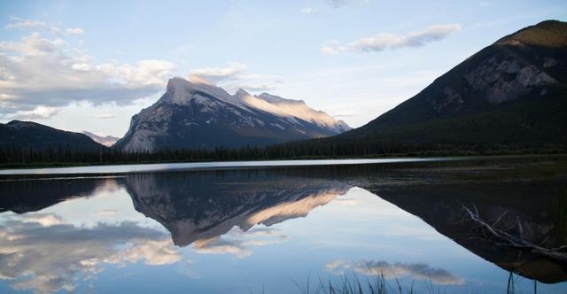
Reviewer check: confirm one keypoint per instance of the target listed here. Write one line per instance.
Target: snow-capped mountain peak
(199, 114)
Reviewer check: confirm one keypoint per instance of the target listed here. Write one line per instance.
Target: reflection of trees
(513, 237)
(20, 195)
(519, 198)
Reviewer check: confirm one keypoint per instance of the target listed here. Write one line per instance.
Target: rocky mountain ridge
(200, 115)
(510, 93)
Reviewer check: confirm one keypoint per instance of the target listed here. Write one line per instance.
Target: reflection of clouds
(347, 201)
(395, 270)
(107, 212)
(108, 185)
(44, 219)
(238, 242)
(337, 266)
(42, 253)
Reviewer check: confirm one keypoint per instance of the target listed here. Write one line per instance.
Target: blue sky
(91, 65)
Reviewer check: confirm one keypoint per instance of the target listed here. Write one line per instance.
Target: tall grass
(353, 284)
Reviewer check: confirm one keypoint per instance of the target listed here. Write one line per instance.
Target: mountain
(25, 134)
(106, 140)
(511, 93)
(198, 114)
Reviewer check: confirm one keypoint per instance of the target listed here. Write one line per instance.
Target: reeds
(354, 284)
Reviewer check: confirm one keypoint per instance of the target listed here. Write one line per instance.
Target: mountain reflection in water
(202, 206)
(42, 252)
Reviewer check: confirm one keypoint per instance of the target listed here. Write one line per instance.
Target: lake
(437, 225)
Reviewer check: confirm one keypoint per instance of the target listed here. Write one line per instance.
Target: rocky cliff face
(509, 69)
(200, 115)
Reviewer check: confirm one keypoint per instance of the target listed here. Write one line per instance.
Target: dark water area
(435, 225)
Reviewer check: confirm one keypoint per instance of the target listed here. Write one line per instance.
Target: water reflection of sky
(101, 244)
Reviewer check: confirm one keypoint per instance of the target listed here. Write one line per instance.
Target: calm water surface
(280, 227)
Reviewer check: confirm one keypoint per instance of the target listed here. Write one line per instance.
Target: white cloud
(217, 74)
(20, 23)
(308, 10)
(55, 29)
(39, 112)
(332, 47)
(51, 73)
(340, 3)
(74, 31)
(384, 41)
(258, 87)
(236, 76)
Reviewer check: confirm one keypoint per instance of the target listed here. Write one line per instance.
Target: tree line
(311, 149)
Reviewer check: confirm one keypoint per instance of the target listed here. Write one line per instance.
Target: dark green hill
(33, 136)
(512, 93)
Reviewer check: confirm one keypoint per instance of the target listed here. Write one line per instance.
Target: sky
(92, 65)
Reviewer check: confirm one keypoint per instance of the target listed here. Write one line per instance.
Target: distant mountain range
(200, 115)
(106, 140)
(512, 93)
(30, 135)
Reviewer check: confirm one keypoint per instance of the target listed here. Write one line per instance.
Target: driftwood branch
(506, 239)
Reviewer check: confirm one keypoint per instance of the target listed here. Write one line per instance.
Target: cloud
(74, 31)
(42, 253)
(258, 87)
(332, 47)
(340, 3)
(218, 74)
(103, 115)
(308, 10)
(39, 112)
(419, 271)
(236, 76)
(51, 73)
(20, 23)
(55, 29)
(384, 41)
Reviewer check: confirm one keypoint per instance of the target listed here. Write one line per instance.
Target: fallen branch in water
(507, 239)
